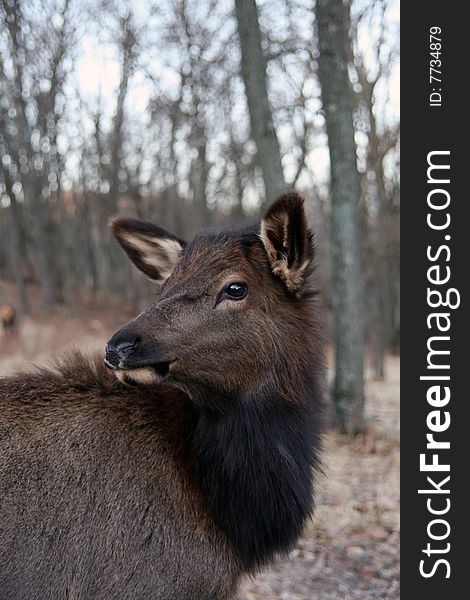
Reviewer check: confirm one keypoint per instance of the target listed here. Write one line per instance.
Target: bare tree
(253, 69)
(348, 392)
(127, 39)
(381, 215)
(17, 247)
(32, 85)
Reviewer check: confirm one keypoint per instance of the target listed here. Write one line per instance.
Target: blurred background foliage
(191, 113)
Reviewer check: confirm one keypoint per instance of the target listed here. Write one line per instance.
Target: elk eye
(236, 291)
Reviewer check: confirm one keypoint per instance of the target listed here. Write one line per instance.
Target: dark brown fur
(172, 488)
(88, 466)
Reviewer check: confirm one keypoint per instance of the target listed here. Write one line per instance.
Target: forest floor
(350, 550)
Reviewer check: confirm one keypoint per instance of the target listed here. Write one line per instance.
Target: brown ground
(351, 549)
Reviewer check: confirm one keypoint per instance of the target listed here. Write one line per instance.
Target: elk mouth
(144, 373)
(162, 368)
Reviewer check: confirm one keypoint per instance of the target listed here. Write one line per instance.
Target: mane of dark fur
(256, 468)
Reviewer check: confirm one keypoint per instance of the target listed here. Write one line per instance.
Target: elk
(7, 317)
(187, 458)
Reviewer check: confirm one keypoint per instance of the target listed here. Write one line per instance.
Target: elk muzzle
(121, 350)
(135, 359)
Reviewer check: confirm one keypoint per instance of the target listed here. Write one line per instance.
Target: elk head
(230, 302)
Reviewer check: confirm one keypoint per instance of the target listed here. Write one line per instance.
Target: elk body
(188, 459)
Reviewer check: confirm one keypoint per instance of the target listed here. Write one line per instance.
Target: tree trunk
(30, 180)
(348, 390)
(253, 68)
(377, 328)
(198, 178)
(39, 211)
(16, 246)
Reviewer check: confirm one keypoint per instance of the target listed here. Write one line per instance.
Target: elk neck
(255, 461)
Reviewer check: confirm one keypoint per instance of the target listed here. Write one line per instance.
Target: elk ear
(288, 240)
(152, 249)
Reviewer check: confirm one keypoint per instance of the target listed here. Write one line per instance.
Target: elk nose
(119, 348)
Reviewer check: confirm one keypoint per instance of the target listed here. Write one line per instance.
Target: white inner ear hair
(160, 253)
(293, 277)
(271, 251)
